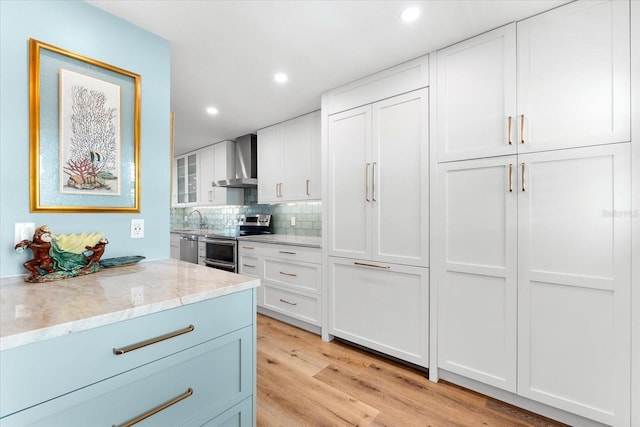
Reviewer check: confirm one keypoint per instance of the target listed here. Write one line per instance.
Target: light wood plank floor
(303, 381)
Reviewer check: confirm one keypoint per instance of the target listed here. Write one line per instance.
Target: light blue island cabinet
(162, 343)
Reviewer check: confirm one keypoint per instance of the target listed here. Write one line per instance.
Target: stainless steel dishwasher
(189, 248)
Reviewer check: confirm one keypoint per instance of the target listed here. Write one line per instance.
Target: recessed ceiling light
(212, 110)
(410, 14)
(281, 77)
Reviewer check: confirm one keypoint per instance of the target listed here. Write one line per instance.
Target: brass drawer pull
(308, 193)
(123, 350)
(509, 130)
(523, 179)
(157, 409)
(288, 274)
(248, 247)
(364, 264)
(288, 302)
(522, 129)
(287, 252)
(249, 265)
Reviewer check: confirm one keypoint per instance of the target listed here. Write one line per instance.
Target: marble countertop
(285, 239)
(31, 312)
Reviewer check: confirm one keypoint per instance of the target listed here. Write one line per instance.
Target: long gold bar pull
(364, 264)
(157, 409)
(366, 182)
(522, 129)
(308, 194)
(123, 350)
(510, 177)
(288, 302)
(523, 179)
(373, 181)
(509, 130)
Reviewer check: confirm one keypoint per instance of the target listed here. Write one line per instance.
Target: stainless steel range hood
(246, 175)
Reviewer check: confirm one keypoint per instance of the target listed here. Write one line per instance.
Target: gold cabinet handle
(509, 130)
(123, 350)
(157, 409)
(280, 189)
(248, 247)
(364, 264)
(287, 252)
(288, 302)
(373, 182)
(523, 178)
(510, 177)
(522, 129)
(308, 193)
(366, 182)
(288, 274)
(249, 265)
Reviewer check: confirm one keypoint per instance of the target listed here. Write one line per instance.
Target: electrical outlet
(293, 221)
(137, 228)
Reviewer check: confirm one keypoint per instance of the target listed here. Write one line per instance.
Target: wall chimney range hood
(246, 156)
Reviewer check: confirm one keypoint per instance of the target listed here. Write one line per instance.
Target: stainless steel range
(222, 247)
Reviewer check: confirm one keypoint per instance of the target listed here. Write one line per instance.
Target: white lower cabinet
(534, 276)
(477, 275)
(384, 307)
(290, 277)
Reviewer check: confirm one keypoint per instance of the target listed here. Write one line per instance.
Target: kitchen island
(165, 341)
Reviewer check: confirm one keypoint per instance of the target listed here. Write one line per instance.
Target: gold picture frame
(84, 119)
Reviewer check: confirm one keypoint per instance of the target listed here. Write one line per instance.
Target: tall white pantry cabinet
(532, 261)
(376, 158)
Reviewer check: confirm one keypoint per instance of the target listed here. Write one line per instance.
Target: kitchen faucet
(202, 224)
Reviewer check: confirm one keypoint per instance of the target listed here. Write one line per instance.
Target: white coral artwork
(89, 135)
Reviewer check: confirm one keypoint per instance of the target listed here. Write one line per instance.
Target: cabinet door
(205, 175)
(381, 306)
(192, 178)
(314, 190)
(574, 281)
(574, 76)
(400, 179)
(270, 161)
(349, 181)
(296, 158)
(477, 271)
(180, 180)
(476, 96)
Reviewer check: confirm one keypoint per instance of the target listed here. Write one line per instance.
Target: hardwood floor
(303, 381)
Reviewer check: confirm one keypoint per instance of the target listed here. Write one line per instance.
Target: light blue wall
(86, 30)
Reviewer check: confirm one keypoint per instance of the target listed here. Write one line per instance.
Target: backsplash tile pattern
(224, 218)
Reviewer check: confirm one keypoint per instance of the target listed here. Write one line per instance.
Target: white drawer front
(249, 266)
(303, 307)
(304, 276)
(294, 253)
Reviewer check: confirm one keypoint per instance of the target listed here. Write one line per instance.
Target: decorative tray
(121, 261)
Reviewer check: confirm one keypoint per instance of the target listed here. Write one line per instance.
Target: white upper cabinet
(378, 181)
(574, 76)
(476, 96)
(289, 160)
(217, 163)
(572, 80)
(185, 180)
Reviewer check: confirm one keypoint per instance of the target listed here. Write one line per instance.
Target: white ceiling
(225, 53)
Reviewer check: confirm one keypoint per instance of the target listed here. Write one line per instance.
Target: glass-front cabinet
(185, 183)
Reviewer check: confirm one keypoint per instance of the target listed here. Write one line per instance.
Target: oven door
(220, 253)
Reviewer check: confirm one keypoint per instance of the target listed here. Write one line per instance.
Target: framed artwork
(84, 133)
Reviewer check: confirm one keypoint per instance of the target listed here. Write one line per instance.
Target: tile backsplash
(308, 216)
